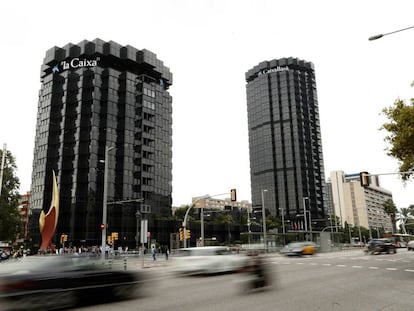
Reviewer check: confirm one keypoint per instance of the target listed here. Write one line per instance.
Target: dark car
(378, 246)
(56, 282)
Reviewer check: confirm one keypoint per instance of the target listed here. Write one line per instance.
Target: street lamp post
(248, 225)
(105, 201)
(264, 220)
(283, 225)
(376, 37)
(304, 214)
(310, 221)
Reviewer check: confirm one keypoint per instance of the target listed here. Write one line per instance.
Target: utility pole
(3, 158)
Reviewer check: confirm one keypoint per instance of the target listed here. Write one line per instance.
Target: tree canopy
(10, 221)
(391, 210)
(400, 128)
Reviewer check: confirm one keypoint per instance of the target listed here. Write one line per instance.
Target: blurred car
(299, 249)
(208, 260)
(378, 246)
(410, 246)
(55, 282)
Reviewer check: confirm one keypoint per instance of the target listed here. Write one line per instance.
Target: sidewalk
(139, 262)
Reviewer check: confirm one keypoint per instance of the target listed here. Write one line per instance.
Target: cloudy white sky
(208, 46)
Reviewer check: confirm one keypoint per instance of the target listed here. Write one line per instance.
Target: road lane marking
(409, 270)
(374, 268)
(359, 267)
(391, 269)
(326, 264)
(341, 266)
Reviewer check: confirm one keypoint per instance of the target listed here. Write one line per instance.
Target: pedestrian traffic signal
(233, 195)
(187, 234)
(364, 179)
(181, 234)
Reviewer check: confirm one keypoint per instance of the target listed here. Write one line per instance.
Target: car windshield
(296, 244)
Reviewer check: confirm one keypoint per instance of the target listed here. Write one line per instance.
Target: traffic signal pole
(233, 194)
(364, 176)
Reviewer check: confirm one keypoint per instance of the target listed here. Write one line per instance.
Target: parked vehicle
(208, 260)
(378, 246)
(55, 282)
(299, 249)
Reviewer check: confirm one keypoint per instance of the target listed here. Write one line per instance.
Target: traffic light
(102, 226)
(187, 234)
(181, 234)
(364, 179)
(233, 195)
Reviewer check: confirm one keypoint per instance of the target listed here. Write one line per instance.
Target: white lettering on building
(274, 69)
(79, 63)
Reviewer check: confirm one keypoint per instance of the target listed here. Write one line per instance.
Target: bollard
(125, 263)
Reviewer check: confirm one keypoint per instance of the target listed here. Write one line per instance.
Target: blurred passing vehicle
(55, 282)
(378, 246)
(410, 246)
(208, 260)
(299, 249)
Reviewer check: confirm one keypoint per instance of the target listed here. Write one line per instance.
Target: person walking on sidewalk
(154, 254)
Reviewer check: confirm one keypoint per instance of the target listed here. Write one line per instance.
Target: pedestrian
(167, 252)
(154, 253)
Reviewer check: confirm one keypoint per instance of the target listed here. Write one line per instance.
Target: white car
(208, 260)
(410, 246)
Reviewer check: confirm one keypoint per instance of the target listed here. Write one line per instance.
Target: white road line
(359, 267)
(374, 268)
(409, 270)
(299, 263)
(326, 264)
(341, 266)
(391, 269)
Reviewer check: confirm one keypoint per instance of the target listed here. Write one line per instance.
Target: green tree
(180, 212)
(224, 218)
(273, 222)
(391, 210)
(400, 128)
(404, 215)
(10, 220)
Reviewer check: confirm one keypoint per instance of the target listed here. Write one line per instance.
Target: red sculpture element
(48, 222)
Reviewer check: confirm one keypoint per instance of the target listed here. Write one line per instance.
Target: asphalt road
(332, 281)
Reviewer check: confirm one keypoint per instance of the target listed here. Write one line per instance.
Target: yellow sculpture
(48, 222)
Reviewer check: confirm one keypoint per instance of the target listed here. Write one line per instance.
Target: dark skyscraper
(286, 163)
(97, 95)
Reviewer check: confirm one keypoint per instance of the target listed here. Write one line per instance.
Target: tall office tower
(95, 97)
(286, 164)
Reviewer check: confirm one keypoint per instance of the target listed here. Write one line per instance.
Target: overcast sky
(208, 46)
